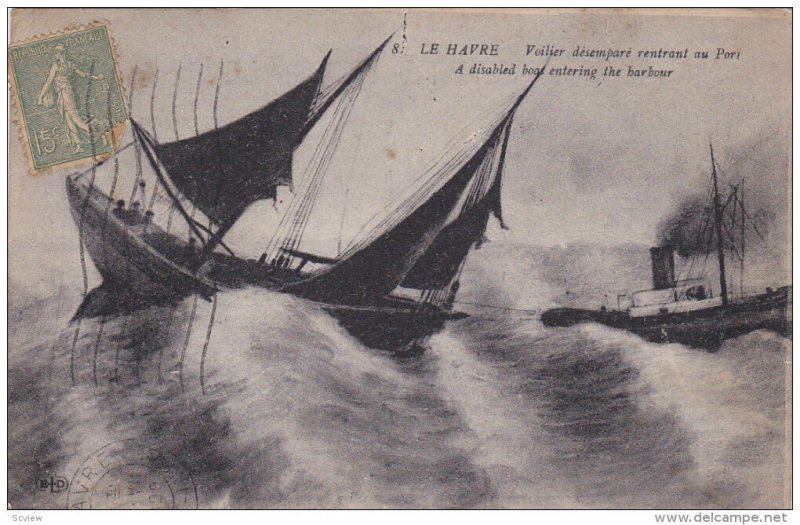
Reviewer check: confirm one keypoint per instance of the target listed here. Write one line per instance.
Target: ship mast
(718, 224)
(741, 255)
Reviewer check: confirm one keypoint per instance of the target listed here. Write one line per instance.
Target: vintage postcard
(400, 259)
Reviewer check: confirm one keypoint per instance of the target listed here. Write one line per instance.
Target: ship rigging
(685, 310)
(420, 242)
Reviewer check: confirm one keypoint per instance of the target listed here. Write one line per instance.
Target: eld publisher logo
(53, 483)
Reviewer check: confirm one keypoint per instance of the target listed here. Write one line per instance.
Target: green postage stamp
(69, 97)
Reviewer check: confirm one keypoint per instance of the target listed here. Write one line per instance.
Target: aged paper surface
(401, 259)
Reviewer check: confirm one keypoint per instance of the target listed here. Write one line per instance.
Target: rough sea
(283, 408)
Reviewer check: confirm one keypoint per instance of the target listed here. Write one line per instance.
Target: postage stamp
(70, 100)
(128, 475)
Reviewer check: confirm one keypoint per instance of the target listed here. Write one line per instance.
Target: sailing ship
(418, 247)
(687, 311)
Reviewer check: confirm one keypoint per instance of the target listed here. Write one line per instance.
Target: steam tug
(687, 311)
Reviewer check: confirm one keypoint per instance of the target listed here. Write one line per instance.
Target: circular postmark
(128, 475)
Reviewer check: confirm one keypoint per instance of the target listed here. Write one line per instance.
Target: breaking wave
(291, 411)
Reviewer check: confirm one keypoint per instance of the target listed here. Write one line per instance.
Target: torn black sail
(225, 170)
(377, 268)
(441, 262)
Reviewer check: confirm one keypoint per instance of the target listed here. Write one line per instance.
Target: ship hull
(399, 327)
(124, 259)
(705, 328)
(142, 268)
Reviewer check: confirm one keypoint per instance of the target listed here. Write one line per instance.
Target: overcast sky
(600, 160)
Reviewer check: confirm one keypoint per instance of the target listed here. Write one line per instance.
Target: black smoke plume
(690, 229)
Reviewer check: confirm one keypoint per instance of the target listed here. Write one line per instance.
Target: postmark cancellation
(128, 475)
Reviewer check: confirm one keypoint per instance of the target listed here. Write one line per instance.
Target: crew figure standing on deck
(119, 210)
(192, 257)
(135, 216)
(148, 219)
(451, 295)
